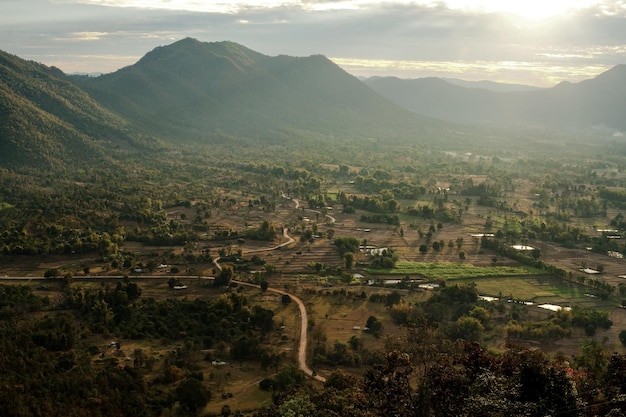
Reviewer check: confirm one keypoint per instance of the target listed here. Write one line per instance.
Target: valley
(159, 222)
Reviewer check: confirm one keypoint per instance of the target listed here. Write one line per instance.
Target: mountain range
(192, 91)
(597, 102)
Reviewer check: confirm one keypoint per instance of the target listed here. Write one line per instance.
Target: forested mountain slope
(190, 89)
(45, 120)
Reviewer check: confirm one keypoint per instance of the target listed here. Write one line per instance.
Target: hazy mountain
(600, 101)
(191, 88)
(435, 97)
(491, 85)
(46, 120)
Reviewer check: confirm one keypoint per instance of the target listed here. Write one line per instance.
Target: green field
(450, 270)
(539, 289)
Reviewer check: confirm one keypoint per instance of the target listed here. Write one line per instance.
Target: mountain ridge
(193, 91)
(600, 101)
(202, 87)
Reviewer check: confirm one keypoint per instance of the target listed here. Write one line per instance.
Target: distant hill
(600, 101)
(491, 85)
(46, 121)
(190, 88)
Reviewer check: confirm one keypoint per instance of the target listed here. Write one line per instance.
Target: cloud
(539, 73)
(414, 38)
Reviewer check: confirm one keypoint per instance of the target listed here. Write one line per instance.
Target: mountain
(491, 85)
(434, 97)
(600, 101)
(190, 88)
(47, 121)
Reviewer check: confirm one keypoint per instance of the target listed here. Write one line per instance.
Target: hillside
(190, 89)
(600, 101)
(45, 120)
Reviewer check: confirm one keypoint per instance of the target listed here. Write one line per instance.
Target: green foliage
(541, 330)
(348, 259)
(450, 270)
(288, 377)
(590, 318)
(450, 303)
(16, 300)
(466, 328)
(374, 326)
(384, 260)
(54, 333)
(299, 406)
(224, 277)
(265, 232)
(347, 244)
(192, 395)
(381, 218)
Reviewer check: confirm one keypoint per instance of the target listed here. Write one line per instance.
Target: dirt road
(304, 325)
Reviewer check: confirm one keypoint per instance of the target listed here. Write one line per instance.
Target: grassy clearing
(450, 270)
(337, 316)
(515, 287)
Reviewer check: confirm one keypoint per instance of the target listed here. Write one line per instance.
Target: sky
(533, 42)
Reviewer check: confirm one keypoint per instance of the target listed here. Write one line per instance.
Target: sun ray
(533, 10)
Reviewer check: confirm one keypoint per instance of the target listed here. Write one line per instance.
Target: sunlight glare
(534, 10)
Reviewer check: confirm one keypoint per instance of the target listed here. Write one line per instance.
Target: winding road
(289, 241)
(304, 325)
(304, 321)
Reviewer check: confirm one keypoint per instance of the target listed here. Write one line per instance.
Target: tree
(262, 318)
(466, 328)
(318, 335)
(462, 255)
(224, 277)
(423, 248)
(269, 269)
(622, 337)
(348, 258)
(192, 395)
(393, 299)
(375, 326)
(264, 285)
(388, 386)
(285, 299)
(51, 273)
(481, 314)
(298, 406)
(355, 343)
(592, 358)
